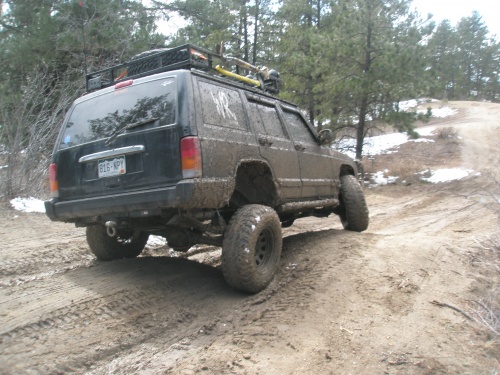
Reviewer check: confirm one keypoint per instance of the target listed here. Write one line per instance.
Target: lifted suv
(161, 145)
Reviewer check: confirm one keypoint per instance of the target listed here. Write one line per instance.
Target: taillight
(191, 157)
(54, 186)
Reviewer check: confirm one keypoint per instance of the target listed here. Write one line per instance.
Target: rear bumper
(118, 203)
(187, 194)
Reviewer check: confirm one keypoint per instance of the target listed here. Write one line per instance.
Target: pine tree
(464, 61)
(442, 51)
(376, 48)
(209, 23)
(300, 51)
(241, 25)
(472, 40)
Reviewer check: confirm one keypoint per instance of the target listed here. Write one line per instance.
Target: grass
(487, 310)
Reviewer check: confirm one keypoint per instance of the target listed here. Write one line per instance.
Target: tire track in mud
(38, 265)
(312, 269)
(427, 216)
(34, 242)
(110, 308)
(305, 272)
(106, 315)
(75, 315)
(251, 317)
(19, 266)
(166, 307)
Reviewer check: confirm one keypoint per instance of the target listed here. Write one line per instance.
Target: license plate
(112, 167)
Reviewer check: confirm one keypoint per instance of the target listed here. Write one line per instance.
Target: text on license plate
(112, 167)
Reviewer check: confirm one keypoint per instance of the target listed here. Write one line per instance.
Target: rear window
(101, 116)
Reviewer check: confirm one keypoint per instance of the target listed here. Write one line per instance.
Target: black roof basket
(187, 56)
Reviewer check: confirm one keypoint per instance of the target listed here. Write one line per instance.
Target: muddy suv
(170, 145)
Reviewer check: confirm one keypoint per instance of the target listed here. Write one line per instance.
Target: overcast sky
(454, 10)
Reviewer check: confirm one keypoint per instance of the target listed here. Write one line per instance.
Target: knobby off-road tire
(124, 245)
(251, 248)
(353, 210)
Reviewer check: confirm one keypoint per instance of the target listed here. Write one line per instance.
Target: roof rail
(187, 56)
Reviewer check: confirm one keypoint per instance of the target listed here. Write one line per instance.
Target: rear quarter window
(222, 106)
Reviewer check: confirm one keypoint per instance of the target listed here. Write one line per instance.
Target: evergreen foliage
(45, 48)
(351, 61)
(465, 61)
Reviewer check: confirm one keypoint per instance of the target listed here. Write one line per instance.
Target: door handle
(300, 147)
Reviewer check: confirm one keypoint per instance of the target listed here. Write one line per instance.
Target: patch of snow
(28, 204)
(427, 131)
(156, 241)
(440, 112)
(379, 178)
(4, 166)
(407, 104)
(446, 175)
(422, 140)
(377, 145)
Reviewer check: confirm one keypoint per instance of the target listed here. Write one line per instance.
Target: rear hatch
(120, 139)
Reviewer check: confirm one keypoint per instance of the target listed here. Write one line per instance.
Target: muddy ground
(401, 298)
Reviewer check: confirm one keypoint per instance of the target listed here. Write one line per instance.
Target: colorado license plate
(112, 167)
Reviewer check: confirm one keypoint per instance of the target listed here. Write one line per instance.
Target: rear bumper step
(173, 196)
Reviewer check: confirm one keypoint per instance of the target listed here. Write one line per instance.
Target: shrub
(448, 132)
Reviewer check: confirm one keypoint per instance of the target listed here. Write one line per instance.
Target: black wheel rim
(264, 251)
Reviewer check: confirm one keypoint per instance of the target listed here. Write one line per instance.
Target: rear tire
(251, 248)
(126, 244)
(352, 210)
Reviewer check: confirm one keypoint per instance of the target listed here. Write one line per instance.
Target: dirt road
(342, 302)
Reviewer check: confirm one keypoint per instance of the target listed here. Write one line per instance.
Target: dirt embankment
(395, 299)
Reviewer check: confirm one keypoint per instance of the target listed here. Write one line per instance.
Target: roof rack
(187, 56)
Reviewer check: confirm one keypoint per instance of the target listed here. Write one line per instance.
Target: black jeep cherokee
(161, 145)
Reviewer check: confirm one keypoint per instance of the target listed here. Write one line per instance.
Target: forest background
(348, 63)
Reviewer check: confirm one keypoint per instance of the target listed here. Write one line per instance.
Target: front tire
(251, 248)
(352, 210)
(126, 244)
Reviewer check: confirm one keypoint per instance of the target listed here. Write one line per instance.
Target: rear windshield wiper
(113, 136)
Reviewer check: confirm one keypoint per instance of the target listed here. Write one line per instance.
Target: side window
(222, 106)
(298, 128)
(266, 119)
